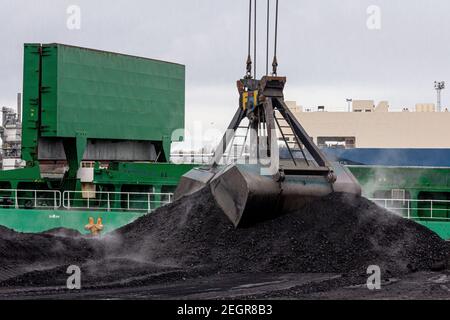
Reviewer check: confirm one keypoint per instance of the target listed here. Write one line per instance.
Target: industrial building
(370, 126)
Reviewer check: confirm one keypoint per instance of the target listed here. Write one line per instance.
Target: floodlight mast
(439, 86)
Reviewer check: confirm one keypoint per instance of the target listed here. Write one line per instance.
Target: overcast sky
(326, 48)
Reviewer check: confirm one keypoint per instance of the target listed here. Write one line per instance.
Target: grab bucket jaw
(193, 181)
(246, 197)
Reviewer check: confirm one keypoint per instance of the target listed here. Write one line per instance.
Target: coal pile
(46, 248)
(37, 258)
(340, 233)
(192, 237)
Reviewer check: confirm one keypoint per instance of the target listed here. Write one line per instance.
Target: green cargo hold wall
(100, 95)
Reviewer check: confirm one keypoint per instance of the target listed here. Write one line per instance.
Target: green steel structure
(78, 93)
(111, 115)
(74, 94)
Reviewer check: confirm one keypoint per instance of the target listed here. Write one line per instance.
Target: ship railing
(191, 158)
(203, 159)
(417, 209)
(27, 199)
(115, 201)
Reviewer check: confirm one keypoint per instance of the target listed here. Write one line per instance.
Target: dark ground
(418, 285)
(190, 250)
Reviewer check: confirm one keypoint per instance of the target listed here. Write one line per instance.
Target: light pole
(349, 101)
(439, 86)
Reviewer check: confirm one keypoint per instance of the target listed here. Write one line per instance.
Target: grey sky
(325, 48)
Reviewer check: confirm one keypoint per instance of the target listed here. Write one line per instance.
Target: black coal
(337, 234)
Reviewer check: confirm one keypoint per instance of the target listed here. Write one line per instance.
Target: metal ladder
(290, 139)
(235, 149)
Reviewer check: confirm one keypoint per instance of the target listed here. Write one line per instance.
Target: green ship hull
(417, 183)
(418, 193)
(36, 221)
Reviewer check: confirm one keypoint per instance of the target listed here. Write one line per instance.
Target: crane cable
(254, 46)
(248, 74)
(267, 37)
(249, 57)
(275, 61)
